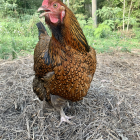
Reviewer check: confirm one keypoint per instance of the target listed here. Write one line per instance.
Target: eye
(55, 5)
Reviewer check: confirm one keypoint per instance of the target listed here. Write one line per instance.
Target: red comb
(45, 2)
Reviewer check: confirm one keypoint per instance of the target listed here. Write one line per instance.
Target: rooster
(64, 63)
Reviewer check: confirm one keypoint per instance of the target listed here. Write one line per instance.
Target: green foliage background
(19, 35)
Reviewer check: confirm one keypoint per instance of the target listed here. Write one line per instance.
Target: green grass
(14, 46)
(109, 44)
(19, 37)
(16, 36)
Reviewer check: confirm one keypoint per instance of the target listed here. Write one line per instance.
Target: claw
(65, 118)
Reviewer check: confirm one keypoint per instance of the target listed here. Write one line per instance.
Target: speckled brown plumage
(64, 64)
(73, 70)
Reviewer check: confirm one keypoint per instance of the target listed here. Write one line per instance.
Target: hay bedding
(110, 111)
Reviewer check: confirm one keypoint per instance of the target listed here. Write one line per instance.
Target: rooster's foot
(65, 118)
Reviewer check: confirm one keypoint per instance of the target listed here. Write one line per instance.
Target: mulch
(110, 111)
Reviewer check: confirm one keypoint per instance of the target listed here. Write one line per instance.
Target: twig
(28, 128)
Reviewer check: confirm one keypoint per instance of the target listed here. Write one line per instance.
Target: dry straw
(110, 111)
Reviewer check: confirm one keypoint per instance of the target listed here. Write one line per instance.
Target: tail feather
(41, 28)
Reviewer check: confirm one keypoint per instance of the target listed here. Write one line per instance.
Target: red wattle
(53, 18)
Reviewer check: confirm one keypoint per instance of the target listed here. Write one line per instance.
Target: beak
(43, 8)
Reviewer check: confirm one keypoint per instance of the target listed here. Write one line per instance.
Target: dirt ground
(110, 111)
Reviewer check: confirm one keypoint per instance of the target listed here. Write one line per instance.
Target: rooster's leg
(58, 103)
(64, 118)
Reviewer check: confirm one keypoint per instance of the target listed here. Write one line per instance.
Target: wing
(42, 61)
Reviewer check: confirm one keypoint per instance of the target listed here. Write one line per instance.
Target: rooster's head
(54, 11)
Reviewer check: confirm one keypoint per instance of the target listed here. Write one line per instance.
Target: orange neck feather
(70, 33)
